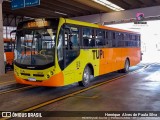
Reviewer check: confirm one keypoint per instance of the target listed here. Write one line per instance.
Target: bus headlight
(48, 76)
(51, 72)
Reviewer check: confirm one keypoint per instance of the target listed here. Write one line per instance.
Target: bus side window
(100, 38)
(119, 40)
(107, 38)
(114, 41)
(88, 37)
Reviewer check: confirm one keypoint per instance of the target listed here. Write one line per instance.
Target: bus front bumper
(54, 81)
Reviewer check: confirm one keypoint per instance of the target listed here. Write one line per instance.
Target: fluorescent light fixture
(60, 13)
(109, 5)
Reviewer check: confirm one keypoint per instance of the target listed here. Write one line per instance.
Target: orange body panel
(56, 80)
(114, 59)
(9, 57)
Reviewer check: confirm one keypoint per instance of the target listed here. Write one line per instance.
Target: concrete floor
(135, 92)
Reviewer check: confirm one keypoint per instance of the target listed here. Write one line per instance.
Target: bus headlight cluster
(48, 76)
(16, 72)
(51, 72)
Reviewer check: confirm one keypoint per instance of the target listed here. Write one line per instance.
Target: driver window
(60, 45)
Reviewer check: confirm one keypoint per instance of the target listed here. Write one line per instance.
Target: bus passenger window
(74, 40)
(106, 35)
(107, 38)
(113, 35)
(122, 36)
(114, 41)
(130, 37)
(88, 37)
(100, 37)
(118, 36)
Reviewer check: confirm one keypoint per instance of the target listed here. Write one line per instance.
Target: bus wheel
(126, 66)
(86, 77)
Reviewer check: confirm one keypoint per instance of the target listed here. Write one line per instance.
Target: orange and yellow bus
(8, 51)
(65, 51)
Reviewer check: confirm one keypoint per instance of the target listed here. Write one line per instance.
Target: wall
(107, 17)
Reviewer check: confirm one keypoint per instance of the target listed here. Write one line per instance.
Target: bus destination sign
(37, 24)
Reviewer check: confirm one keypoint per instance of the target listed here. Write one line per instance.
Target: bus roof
(87, 24)
(97, 26)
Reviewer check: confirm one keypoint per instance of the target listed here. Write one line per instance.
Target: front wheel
(126, 66)
(86, 77)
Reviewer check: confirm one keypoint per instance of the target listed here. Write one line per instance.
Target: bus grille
(25, 74)
(38, 75)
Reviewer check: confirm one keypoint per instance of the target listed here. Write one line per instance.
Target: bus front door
(71, 52)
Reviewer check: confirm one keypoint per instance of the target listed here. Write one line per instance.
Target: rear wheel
(86, 77)
(126, 66)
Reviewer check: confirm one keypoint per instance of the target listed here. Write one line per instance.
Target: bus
(64, 51)
(9, 52)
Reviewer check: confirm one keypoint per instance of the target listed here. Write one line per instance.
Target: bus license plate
(31, 79)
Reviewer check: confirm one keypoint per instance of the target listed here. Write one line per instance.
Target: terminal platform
(136, 91)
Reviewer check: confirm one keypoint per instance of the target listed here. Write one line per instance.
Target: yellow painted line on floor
(11, 81)
(74, 93)
(9, 91)
(87, 97)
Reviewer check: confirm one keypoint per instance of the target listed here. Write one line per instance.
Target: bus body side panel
(74, 71)
(106, 61)
(112, 60)
(133, 54)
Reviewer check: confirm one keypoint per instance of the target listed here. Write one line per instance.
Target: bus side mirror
(13, 31)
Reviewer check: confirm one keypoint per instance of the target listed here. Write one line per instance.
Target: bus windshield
(35, 46)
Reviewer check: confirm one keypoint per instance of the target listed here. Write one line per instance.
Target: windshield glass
(35, 46)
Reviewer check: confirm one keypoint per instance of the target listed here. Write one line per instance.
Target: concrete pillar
(2, 67)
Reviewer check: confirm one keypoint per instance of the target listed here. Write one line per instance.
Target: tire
(86, 77)
(126, 66)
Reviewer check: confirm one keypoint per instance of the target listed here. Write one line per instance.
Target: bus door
(71, 52)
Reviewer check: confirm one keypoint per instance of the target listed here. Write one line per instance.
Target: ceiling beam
(120, 3)
(63, 5)
(148, 2)
(158, 1)
(133, 3)
(78, 6)
(95, 5)
(59, 7)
